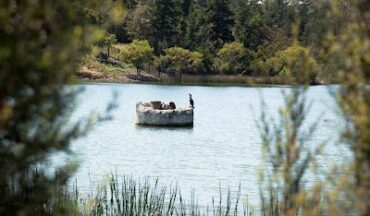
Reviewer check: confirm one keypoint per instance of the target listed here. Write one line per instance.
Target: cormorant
(191, 101)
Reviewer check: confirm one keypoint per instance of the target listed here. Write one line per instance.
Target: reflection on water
(222, 149)
(161, 128)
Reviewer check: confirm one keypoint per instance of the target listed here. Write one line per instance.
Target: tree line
(251, 37)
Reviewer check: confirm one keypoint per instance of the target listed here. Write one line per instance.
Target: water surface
(222, 149)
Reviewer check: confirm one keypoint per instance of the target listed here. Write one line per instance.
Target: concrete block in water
(180, 117)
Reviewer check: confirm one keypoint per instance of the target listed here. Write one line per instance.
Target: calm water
(223, 148)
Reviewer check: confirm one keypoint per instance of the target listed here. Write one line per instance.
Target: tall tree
(303, 15)
(250, 24)
(280, 13)
(139, 22)
(185, 10)
(186, 5)
(315, 23)
(197, 31)
(221, 19)
(165, 24)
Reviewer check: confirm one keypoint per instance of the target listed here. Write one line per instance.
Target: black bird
(191, 101)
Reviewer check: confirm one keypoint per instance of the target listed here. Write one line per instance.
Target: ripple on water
(223, 147)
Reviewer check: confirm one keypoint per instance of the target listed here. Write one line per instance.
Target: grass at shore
(109, 67)
(117, 72)
(130, 197)
(227, 79)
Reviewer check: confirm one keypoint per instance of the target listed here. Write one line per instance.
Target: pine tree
(279, 13)
(195, 34)
(221, 19)
(186, 5)
(315, 23)
(165, 23)
(303, 14)
(250, 24)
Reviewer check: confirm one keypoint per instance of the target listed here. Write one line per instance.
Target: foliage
(107, 68)
(108, 40)
(250, 27)
(280, 13)
(349, 184)
(41, 44)
(205, 26)
(275, 65)
(177, 59)
(285, 143)
(291, 61)
(106, 43)
(106, 15)
(289, 156)
(165, 24)
(97, 12)
(139, 22)
(258, 68)
(233, 58)
(277, 41)
(221, 20)
(351, 48)
(137, 53)
(197, 35)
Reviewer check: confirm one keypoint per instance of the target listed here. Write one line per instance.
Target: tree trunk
(138, 73)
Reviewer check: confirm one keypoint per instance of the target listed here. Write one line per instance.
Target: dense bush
(106, 43)
(177, 59)
(232, 58)
(296, 62)
(137, 53)
(258, 67)
(274, 65)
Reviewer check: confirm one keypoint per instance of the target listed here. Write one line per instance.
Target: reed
(227, 79)
(135, 197)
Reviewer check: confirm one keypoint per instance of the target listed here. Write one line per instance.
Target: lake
(223, 148)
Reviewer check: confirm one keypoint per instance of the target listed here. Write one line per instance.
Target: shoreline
(190, 80)
(102, 81)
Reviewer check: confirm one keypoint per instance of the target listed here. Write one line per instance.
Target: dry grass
(227, 79)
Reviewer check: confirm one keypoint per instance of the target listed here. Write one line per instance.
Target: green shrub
(232, 58)
(106, 44)
(138, 53)
(296, 62)
(177, 59)
(274, 65)
(259, 67)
